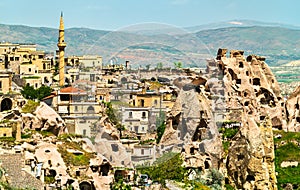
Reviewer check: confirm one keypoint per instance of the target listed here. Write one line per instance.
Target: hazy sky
(116, 14)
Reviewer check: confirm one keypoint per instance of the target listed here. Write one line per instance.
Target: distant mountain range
(154, 43)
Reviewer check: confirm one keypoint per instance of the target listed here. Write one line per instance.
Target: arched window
(90, 109)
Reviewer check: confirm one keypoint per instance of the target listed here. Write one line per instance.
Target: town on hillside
(71, 122)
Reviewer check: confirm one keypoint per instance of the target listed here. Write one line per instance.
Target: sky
(118, 14)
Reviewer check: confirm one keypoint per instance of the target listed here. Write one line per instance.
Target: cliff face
(293, 111)
(238, 90)
(253, 98)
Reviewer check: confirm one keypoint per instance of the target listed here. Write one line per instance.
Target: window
(136, 129)
(84, 132)
(17, 58)
(11, 58)
(29, 69)
(142, 103)
(155, 102)
(0, 84)
(130, 114)
(144, 114)
(142, 152)
(76, 108)
(90, 109)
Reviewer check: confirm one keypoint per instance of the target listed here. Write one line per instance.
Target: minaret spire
(61, 48)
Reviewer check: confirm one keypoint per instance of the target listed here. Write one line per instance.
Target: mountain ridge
(278, 44)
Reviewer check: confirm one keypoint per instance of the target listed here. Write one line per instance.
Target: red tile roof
(71, 90)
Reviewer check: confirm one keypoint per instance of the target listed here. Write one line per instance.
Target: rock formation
(252, 98)
(239, 90)
(44, 118)
(293, 111)
(50, 120)
(192, 128)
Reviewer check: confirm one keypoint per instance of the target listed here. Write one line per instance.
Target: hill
(278, 44)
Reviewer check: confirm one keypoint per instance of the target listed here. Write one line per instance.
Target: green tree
(30, 93)
(178, 65)
(159, 65)
(169, 168)
(148, 67)
(160, 125)
(43, 92)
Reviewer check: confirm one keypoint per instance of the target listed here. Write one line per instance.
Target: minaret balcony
(61, 44)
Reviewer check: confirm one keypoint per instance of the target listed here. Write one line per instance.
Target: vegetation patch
(32, 77)
(30, 93)
(167, 167)
(228, 133)
(74, 159)
(287, 149)
(30, 106)
(7, 139)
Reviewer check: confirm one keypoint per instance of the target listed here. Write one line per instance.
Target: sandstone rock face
(50, 120)
(114, 151)
(191, 127)
(251, 87)
(252, 98)
(107, 130)
(48, 151)
(44, 118)
(293, 111)
(236, 89)
(30, 121)
(250, 161)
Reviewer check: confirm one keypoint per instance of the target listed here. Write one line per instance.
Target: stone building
(73, 105)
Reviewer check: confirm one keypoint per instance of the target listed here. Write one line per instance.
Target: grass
(287, 152)
(49, 179)
(32, 77)
(7, 139)
(228, 133)
(73, 159)
(30, 106)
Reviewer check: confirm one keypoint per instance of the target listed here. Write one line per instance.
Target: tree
(30, 93)
(169, 166)
(160, 125)
(43, 92)
(148, 67)
(178, 65)
(159, 65)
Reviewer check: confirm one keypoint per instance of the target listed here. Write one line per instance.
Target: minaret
(61, 48)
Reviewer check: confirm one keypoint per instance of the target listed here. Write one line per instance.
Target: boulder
(286, 164)
(50, 120)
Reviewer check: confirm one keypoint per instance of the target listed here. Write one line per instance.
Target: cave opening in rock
(256, 81)
(6, 104)
(250, 178)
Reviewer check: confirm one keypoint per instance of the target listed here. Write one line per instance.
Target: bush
(30, 93)
(30, 106)
(170, 168)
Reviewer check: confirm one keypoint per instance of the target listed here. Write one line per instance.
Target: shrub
(168, 167)
(30, 106)
(30, 93)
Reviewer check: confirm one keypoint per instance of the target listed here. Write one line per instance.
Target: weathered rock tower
(61, 48)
